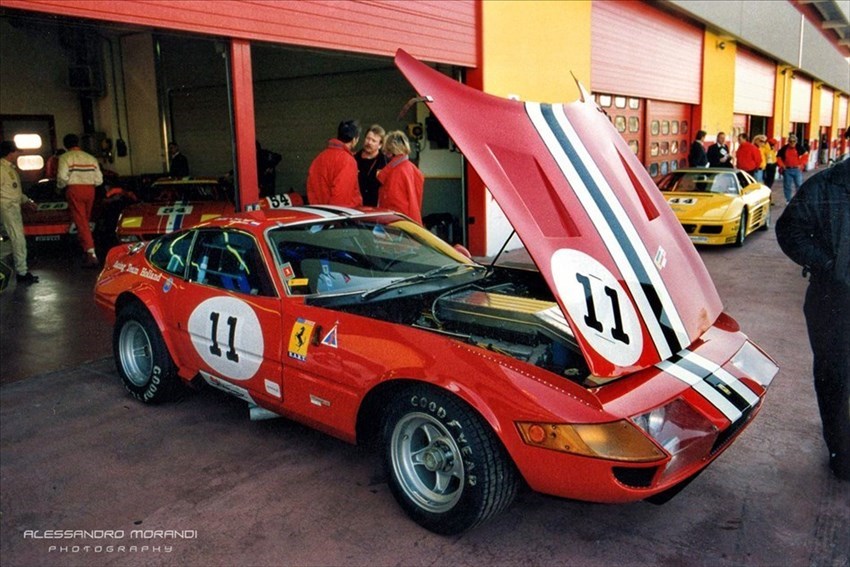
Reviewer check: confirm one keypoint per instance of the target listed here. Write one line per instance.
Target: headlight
(619, 441)
(130, 222)
(755, 364)
(683, 432)
(652, 422)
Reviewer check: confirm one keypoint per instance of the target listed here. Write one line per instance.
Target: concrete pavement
(202, 485)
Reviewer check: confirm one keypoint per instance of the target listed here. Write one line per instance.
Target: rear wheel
(446, 467)
(742, 229)
(142, 359)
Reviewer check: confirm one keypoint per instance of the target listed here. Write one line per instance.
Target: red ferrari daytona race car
(176, 203)
(595, 375)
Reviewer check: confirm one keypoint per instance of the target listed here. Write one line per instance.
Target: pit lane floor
(196, 483)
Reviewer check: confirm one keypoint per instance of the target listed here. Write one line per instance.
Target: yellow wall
(782, 102)
(814, 120)
(718, 95)
(531, 47)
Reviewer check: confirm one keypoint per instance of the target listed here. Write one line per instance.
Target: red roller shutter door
(640, 51)
(441, 31)
(668, 136)
(755, 80)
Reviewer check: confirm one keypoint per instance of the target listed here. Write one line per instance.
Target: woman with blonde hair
(769, 151)
(760, 141)
(401, 181)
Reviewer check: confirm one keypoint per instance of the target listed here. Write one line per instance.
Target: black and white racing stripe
(344, 211)
(319, 212)
(725, 392)
(619, 235)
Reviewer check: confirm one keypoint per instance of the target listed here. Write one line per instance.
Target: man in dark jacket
(697, 156)
(179, 162)
(718, 153)
(814, 231)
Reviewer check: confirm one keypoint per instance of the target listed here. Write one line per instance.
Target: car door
(228, 316)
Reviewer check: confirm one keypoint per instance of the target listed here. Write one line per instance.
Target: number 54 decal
(226, 334)
(598, 306)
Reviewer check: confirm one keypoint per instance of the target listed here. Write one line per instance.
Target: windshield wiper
(441, 272)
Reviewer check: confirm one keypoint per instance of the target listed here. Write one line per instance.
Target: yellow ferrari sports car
(717, 206)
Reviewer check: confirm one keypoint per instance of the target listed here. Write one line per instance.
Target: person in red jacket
(748, 156)
(332, 178)
(401, 181)
(792, 158)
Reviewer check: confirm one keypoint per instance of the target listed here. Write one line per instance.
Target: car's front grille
(689, 228)
(635, 477)
(711, 229)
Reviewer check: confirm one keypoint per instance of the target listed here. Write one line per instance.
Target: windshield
(171, 192)
(357, 255)
(702, 182)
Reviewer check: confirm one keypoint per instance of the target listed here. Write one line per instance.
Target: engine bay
(501, 320)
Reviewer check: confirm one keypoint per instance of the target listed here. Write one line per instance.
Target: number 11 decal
(617, 332)
(231, 347)
(227, 335)
(599, 308)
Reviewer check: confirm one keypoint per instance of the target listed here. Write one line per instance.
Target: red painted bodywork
(165, 215)
(501, 142)
(327, 390)
(329, 386)
(51, 221)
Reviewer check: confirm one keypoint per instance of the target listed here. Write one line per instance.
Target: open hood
(623, 271)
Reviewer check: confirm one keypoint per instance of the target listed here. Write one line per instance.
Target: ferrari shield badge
(299, 340)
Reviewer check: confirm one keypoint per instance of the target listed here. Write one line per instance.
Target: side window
(229, 260)
(171, 252)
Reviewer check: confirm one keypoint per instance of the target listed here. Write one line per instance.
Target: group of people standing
(758, 157)
(379, 175)
(78, 172)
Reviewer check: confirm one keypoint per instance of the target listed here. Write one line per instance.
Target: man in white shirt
(80, 173)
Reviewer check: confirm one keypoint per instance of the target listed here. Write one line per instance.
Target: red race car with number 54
(594, 375)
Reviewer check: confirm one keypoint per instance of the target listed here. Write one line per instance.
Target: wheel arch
(370, 412)
(129, 298)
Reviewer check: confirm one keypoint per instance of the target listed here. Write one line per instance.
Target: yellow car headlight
(131, 222)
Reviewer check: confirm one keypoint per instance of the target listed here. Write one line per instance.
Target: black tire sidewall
(476, 442)
(742, 231)
(160, 384)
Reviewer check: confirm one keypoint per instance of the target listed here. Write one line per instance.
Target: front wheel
(446, 468)
(742, 229)
(142, 358)
(767, 217)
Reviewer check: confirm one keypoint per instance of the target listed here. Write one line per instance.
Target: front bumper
(720, 401)
(701, 232)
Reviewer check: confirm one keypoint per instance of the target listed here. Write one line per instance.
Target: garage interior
(129, 91)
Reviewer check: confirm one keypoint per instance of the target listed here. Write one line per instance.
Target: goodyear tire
(142, 359)
(446, 468)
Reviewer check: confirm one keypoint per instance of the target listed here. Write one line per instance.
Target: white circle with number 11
(227, 335)
(599, 306)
